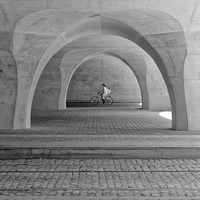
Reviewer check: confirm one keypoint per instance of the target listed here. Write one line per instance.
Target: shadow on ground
(115, 104)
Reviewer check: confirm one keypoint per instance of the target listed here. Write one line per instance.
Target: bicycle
(97, 99)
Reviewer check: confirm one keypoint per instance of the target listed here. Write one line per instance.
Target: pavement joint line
(137, 171)
(102, 165)
(102, 189)
(97, 189)
(103, 136)
(97, 198)
(150, 171)
(96, 147)
(106, 147)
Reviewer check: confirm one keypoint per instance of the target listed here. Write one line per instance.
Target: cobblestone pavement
(95, 179)
(57, 179)
(94, 127)
(95, 121)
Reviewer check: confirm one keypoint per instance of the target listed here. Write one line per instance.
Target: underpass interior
(56, 144)
(120, 30)
(126, 85)
(74, 74)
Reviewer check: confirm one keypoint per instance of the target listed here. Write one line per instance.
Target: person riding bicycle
(104, 92)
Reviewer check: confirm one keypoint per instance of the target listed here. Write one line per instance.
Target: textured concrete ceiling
(55, 22)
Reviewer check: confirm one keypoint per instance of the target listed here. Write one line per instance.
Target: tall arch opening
(73, 59)
(116, 75)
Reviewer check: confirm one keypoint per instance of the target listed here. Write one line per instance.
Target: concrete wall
(8, 72)
(48, 88)
(158, 94)
(8, 88)
(117, 76)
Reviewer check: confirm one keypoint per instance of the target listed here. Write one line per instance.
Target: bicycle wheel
(94, 100)
(109, 100)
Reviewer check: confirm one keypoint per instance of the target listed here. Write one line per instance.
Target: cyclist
(104, 92)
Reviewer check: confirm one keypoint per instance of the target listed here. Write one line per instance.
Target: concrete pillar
(48, 88)
(8, 71)
(8, 87)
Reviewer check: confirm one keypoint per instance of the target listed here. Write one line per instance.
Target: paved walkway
(64, 179)
(108, 128)
(103, 127)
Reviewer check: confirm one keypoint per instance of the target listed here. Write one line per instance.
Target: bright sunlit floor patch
(166, 114)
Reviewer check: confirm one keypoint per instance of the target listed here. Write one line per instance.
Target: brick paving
(100, 179)
(99, 127)
(95, 179)
(95, 121)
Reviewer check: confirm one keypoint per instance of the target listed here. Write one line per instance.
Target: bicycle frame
(100, 99)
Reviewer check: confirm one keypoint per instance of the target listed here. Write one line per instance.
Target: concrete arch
(132, 60)
(160, 35)
(47, 92)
